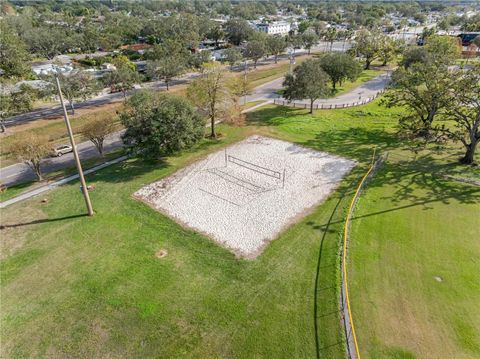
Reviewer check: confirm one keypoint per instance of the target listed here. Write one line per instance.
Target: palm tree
(347, 35)
(330, 36)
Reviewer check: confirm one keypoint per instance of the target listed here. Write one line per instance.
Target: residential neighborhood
(239, 179)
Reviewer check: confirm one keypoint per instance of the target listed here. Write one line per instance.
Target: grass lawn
(415, 257)
(365, 76)
(74, 286)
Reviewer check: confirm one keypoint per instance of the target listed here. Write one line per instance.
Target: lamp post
(74, 149)
(291, 58)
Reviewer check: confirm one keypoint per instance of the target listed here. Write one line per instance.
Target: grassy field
(415, 258)
(74, 286)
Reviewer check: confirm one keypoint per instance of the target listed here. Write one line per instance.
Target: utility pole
(75, 153)
(245, 83)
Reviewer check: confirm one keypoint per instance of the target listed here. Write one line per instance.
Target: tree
(318, 27)
(444, 24)
(442, 50)
(237, 31)
(97, 129)
(237, 87)
(47, 42)
(464, 111)
(13, 53)
(294, 41)
(31, 149)
(340, 67)
(424, 90)
(121, 62)
(232, 55)
(160, 124)
(424, 85)
(275, 46)
(309, 39)
(387, 49)
(198, 59)
(211, 94)
(16, 102)
(303, 26)
(76, 85)
(414, 55)
(255, 50)
(166, 69)
(168, 61)
(122, 79)
(427, 32)
(367, 45)
(307, 81)
(216, 33)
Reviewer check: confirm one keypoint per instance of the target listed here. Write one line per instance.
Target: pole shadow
(39, 221)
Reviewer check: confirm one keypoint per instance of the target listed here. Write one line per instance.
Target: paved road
(101, 100)
(20, 172)
(269, 91)
(104, 99)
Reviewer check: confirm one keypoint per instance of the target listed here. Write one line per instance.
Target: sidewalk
(58, 183)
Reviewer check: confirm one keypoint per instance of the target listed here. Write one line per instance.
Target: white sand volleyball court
(244, 196)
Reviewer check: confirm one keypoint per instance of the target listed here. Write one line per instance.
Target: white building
(274, 28)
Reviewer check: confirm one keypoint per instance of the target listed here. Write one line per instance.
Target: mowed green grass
(415, 259)
(74, 286)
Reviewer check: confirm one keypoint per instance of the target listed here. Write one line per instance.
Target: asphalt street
(20, 172)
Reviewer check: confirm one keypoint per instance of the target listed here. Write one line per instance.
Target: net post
(226, 157)
(283, 179)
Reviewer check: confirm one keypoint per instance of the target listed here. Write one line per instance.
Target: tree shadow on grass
(416, 183)
(353, 142)
(136, 167)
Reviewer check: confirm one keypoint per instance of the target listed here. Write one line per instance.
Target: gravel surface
(237, 203)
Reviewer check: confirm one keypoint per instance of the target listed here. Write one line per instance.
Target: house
(467, 37)
(47, 67)
(274, 28)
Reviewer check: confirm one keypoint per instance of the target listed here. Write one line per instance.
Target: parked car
(61, 150)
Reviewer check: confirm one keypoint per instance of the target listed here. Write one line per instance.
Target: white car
(61, 150)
